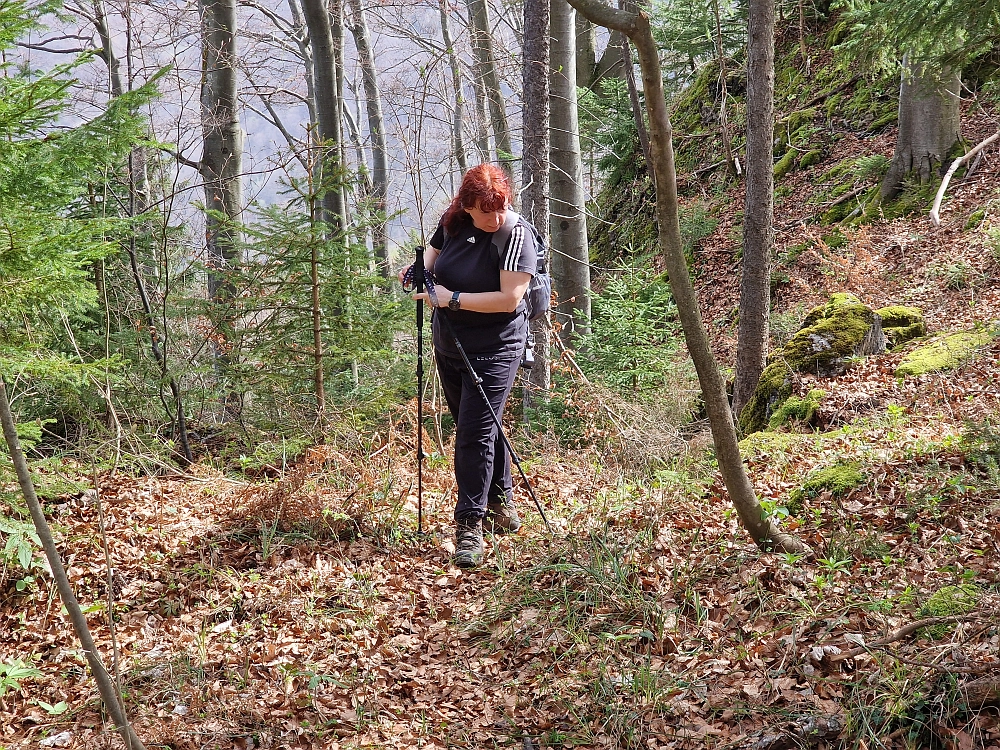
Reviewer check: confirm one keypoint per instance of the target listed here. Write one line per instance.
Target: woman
(481, 291)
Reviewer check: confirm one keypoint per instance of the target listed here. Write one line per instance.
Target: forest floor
(303, 611)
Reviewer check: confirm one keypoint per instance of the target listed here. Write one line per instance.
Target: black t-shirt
(468, 262)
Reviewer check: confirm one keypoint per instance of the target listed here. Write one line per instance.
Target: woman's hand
(402, 274)
(442, 293)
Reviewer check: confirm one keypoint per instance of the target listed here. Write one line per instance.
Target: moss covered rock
(830, 337)
(901, 323)
(833, 334)
(773, 389)
(943, 353)
(797, 409)
(838, 480)
(810, 158)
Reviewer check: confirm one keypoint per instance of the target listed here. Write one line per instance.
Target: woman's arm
(513, 285)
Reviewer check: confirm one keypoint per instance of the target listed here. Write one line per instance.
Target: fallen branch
(935, 216)
(902, 633)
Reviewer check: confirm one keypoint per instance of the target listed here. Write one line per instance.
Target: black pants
(482, 464)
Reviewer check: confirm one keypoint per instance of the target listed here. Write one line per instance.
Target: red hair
(486, 186)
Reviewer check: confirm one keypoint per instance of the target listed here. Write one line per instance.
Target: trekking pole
(418, 286)
(496, 420)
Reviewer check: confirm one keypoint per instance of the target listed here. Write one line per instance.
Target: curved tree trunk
(761, 528)
(929, 124)
(535, 166)
(758, 220)
(568, 222)
(106, 687)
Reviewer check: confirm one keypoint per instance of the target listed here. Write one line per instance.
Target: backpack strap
(502, 236)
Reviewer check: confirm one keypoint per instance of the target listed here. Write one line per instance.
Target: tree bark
(222, 156)
(327, 102)
(568, 223)
(105, 685)
(376, 131)
(482, 47)
(758, 219)
(929, 124)
(535, 165)
(586, 51)
(760, 526)
(458, 117)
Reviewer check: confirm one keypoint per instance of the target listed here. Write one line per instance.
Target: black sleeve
(521, 254)
(437, 239)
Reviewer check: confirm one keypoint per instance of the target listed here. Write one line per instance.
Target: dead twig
(902, 633)
(934, 214)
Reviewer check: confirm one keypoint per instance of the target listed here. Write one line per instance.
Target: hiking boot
(468, 544)
(501, 517)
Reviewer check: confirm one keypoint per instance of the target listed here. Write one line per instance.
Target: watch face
(453, 302)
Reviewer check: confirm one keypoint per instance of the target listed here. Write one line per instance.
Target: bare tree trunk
(222, 155)
(221, 168)
(929, 124)
(758, 220)
(633, 90)
(568, 224)
(535, 165)
(457, 121)
(727, 142)
(761, 528)
(327, 102)
(586, 52)
(482, 46)
(376, 131)
(105, 685)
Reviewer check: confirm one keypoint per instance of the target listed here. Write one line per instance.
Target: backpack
(538, 297)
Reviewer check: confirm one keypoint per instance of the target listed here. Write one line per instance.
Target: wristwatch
(453, 303)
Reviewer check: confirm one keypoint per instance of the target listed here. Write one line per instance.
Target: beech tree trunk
(929, 124)
(758, 216)
(482, 47)
(222, 156)
(568, 222)
(376, 132)
(535, 165)
(586, 51)
(760, 526)
(106, 687)
(327, 102)
(457, 114)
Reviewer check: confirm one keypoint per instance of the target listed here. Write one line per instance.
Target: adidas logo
(471, 239)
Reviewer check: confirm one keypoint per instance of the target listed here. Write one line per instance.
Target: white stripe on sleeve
(514, 246)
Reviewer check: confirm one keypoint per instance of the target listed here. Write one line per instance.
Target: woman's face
(487, 221)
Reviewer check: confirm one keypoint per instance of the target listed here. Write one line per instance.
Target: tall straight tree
(458, 110)
(535, 165)
(486, 65)
(636, 26)
(376, 132)
(758, 216)
(327, 102)
(221, 164)
(568, 222)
